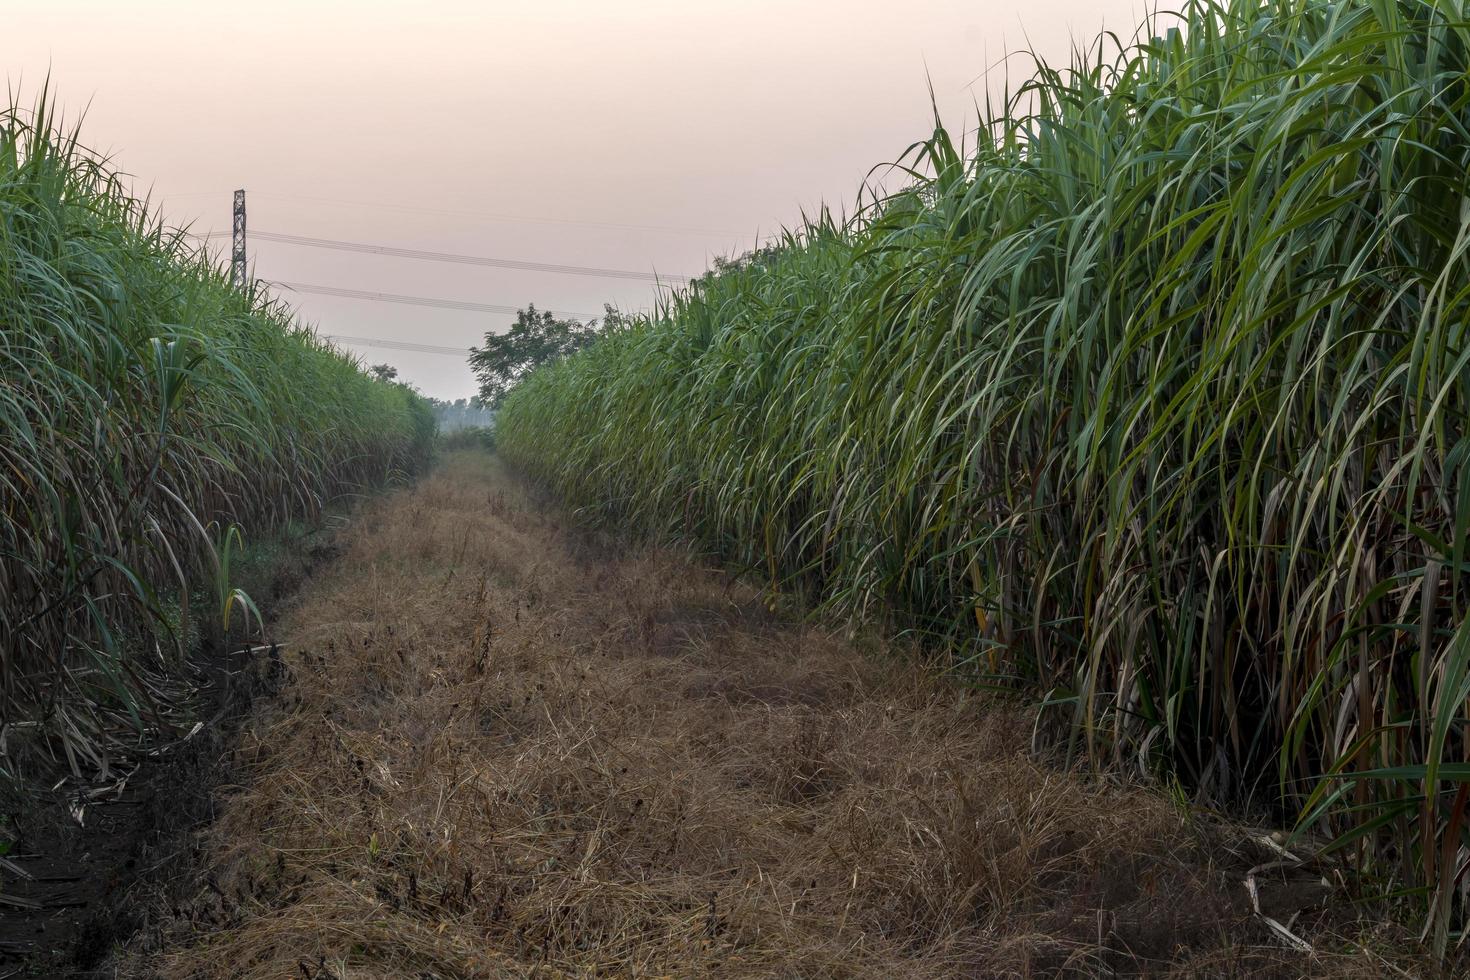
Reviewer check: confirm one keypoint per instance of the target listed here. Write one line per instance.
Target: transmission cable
(430, 301)
(413, 253)
(397, 345)
(496, 216)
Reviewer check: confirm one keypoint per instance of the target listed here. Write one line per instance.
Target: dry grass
(505, 750)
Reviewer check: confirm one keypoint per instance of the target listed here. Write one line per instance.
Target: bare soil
(506, 748)
(79, 851)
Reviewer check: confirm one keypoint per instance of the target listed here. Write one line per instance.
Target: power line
(491, 215)
(429, 301)
(397, 345)
(496, 216)
(413, 253)
(409, 253)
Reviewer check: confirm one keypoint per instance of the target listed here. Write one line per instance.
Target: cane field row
(149, 413)
(1148, 397)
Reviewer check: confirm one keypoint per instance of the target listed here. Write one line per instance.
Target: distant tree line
(462, 413)
(537, 337)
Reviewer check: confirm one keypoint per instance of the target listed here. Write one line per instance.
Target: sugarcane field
(802, 490)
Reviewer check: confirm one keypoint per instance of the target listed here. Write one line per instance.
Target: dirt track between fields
(506, 747)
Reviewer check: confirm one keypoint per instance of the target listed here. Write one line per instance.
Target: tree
(383, 372)
(536, 337)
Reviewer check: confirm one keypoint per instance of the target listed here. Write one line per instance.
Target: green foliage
(1155, 402)
(534, 339)
(473, 404)
(471, 437)
(146, 410)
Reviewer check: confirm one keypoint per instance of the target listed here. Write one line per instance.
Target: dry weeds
(503, 750)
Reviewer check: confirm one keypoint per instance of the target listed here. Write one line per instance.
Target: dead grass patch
(498, 756)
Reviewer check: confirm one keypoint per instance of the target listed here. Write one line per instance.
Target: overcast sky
(630, 134)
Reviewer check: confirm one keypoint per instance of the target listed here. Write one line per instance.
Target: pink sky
(638, 135)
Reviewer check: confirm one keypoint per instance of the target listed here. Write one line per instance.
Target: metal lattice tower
(237, 250)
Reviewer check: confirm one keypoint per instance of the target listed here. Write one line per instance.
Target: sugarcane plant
(147, 412)
(1150, 400)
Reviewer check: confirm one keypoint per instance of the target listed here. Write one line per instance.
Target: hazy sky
(634, 134)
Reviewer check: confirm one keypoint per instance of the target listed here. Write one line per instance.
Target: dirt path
(505, 750)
